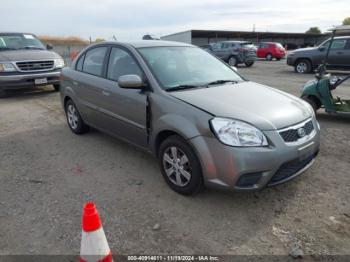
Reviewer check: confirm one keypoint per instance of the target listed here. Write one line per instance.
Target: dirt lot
(47, 174)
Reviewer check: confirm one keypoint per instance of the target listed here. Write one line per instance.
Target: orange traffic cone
(94, 246)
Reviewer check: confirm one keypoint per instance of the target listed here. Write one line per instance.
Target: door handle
(339, 53)
(105, 93)
(75, 83)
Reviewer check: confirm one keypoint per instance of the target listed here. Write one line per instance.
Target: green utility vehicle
(318, 92)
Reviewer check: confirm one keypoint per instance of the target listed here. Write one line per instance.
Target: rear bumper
(17, 81)
(280, 56)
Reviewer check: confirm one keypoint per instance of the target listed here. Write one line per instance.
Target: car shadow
(336, 117)
(29, 92)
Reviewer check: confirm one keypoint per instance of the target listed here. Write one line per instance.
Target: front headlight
(59, 63)
(7, 67)
(237, 133)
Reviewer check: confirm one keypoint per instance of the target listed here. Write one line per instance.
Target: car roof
(15, 33)
(149, 43)
(342, 37)
(234, 41)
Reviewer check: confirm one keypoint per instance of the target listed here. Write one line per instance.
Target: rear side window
(80, 62)
(347, 44)
(93, 62)
(339, 44)
(122, 63)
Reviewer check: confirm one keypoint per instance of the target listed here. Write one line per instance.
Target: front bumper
(225, 166)
(291, 60)
(23, 80)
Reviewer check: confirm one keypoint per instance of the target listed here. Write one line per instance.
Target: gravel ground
(47, 173)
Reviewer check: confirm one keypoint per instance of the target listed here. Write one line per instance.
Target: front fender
(176, 123)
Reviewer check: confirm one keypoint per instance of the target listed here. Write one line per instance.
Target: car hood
(264, 107)
(24, 55)
(303, 50)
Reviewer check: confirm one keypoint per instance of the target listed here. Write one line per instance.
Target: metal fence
(68, 52)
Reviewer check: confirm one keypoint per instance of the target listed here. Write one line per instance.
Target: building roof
(247, 34)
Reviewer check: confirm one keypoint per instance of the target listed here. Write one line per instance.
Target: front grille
(35, 65)
(290, 168)
(292, 135)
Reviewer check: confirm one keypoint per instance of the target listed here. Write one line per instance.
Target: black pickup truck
(26, 62)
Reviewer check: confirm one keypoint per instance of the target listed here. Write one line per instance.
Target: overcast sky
(131, 19)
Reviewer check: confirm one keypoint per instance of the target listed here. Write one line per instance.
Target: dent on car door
(90, 69)
(126, 108)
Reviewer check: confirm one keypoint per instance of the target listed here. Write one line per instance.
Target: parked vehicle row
(26, 62)
(243, 52)
(206, 124)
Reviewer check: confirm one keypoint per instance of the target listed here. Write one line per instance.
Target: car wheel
(180, 166)
(303, 66)
(74, 120)
(2, 93)
(56, 87)
(313, 102)
(249, 64)
(232, 61)
(269, 57)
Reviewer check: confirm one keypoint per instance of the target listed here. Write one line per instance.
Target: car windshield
(19, 41)
(186, 67)
(279, 45)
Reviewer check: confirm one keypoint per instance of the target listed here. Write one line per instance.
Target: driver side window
(122, 63)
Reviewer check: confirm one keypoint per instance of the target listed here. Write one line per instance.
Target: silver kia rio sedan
(206, 124)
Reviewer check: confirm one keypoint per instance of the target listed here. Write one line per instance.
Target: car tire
(313, 102)
(269, 57)
(2, 93)
(232, 61)
(74, 120)
(180, 166)
(57, 87)
(249, 64)
(303, 66)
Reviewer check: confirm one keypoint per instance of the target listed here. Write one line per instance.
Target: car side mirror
(322, 48)
(130, 82)
(234, 68)
(49, 47)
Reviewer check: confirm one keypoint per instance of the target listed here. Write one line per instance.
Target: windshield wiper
(181, 87)
(32, 47)
(7, 48)
(219, 82)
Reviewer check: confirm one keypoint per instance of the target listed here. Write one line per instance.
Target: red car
(270, 50)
